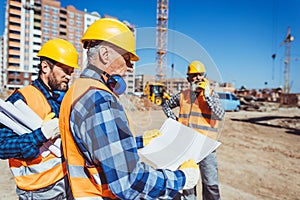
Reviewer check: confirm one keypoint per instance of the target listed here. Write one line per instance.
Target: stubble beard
(55, 85)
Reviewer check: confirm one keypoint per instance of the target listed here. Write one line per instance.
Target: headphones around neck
(114, 82)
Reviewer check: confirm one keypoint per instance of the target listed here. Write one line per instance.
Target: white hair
(92, 53)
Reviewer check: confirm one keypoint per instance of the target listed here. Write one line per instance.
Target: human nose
(68, 76)
(197, 78)
(200, 77)
(130, 69)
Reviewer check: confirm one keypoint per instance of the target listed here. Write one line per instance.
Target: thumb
(49, 117)
(152, 133)
(189, 164)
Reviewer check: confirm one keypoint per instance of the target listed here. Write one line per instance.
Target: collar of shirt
(89, 73)
(38, 83)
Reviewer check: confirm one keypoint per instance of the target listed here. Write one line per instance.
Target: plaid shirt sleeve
(215, 106)
(13, 145)
(100, 124)
(173, 102)
(139, 141)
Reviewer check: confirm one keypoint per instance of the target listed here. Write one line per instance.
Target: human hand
(191, 172)
(50, 127)
(205, 86)
(150, 135)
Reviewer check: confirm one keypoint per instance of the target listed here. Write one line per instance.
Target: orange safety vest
(197, 114)
(85, 181)
(34, 174)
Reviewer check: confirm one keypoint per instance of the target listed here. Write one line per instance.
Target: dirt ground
(259, 157)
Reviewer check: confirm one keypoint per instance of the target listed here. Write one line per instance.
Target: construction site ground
(259, 157)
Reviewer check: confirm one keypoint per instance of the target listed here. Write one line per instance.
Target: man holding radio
(200, 109)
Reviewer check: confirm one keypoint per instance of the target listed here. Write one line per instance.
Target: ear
(45, 68)
(103, 54)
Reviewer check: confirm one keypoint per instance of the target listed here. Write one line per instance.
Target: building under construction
(28, 25)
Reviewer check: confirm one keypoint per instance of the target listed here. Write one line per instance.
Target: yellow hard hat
(114, 32)
(196, 67)
(60, 51)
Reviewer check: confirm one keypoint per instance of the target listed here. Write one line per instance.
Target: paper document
(34, 121)
(22, 119)
(177, 144)
(17, 128)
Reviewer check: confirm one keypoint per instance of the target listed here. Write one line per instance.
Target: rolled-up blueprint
(22, 119)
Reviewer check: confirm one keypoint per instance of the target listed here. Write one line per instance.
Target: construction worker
(40, 176)
(200, 109)
(98, 143)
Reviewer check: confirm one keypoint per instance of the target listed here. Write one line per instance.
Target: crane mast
(287, 41)
(162, 14)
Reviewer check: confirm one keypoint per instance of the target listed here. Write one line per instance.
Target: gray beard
(194, 86)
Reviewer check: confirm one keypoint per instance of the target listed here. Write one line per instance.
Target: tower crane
(288, 39)
(162, 13)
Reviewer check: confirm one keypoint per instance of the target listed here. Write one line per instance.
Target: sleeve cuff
(139, 142)
(180, 179)
(39, 137)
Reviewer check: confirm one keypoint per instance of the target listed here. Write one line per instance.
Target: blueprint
(177, 144)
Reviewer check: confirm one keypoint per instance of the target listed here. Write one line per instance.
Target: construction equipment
(162, 13)
(156, 93)
(288, 39)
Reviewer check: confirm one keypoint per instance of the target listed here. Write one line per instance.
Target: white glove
(50, 128)
(191, 172)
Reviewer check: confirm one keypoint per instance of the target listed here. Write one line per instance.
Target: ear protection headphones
(114, 82)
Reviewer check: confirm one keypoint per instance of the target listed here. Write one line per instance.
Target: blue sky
(237, 36)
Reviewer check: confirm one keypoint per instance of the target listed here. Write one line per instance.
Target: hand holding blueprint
(177, 144)
(21, 119)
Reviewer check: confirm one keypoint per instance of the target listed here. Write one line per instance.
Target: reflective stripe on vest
(33, 174)
(87, 182)
(197, 115)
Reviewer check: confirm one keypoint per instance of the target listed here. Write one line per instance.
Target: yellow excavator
(156, 93)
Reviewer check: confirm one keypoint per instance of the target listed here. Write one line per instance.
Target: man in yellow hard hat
(200, 109)
(40, 173)
(98, 143)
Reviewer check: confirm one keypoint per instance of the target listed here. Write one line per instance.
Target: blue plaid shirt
(24, 146)
(100, 128)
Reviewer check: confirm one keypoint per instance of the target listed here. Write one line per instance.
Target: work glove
(150, 135)
(191, 172)
(50, 127)
(205, 86)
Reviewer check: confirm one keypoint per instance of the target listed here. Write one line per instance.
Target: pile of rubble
(251, 103)
(266, 99)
